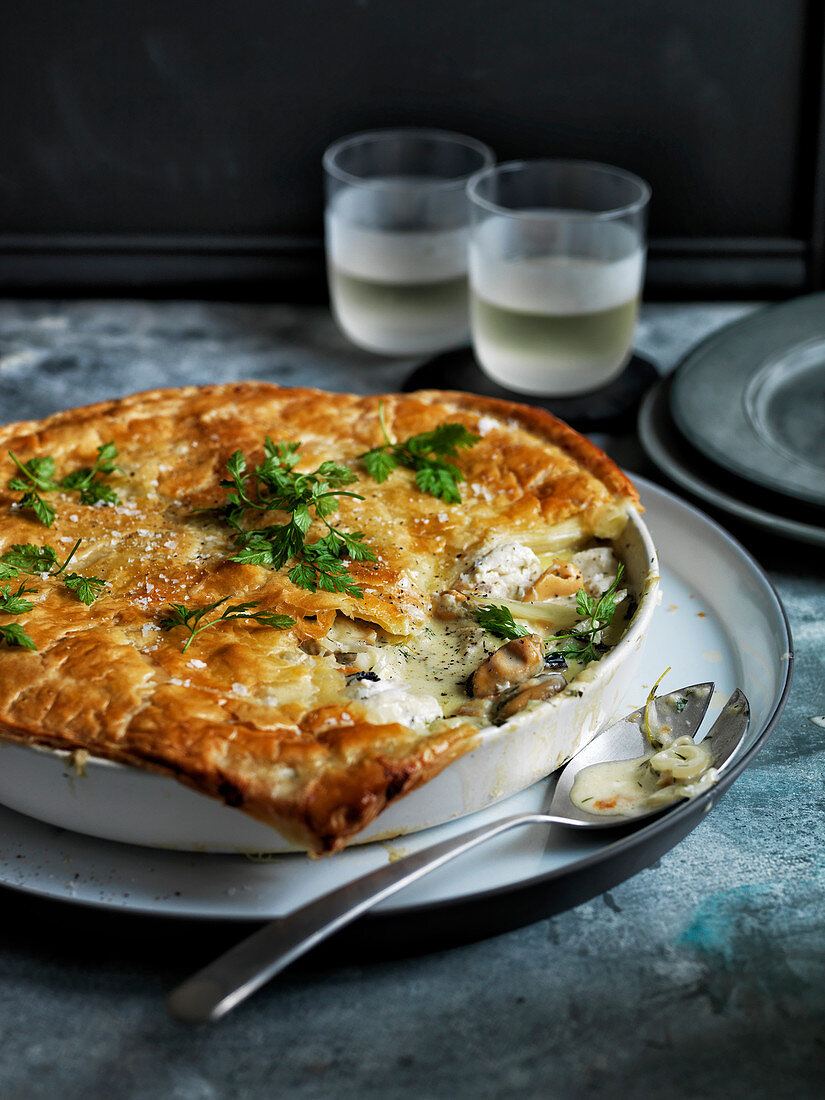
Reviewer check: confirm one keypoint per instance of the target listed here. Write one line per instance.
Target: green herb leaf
(13, 603)
(37, 472)
(447, 439)
(275, 485)
(13, 634)
(87, 588)
(426, 454)
(44, 511)
(439, 480)
(38, 476)
(581, 643)
(85, 481)
(31, 497)
(179, 614)
(28, 558)
(379, 463)
(499, 620)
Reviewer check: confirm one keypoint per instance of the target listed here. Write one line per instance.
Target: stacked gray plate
(741, 424)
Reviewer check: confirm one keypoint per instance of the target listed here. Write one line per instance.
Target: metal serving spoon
(230, 979)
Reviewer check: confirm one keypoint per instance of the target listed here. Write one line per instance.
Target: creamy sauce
(425, 676)
(421, 678)
(627, 787)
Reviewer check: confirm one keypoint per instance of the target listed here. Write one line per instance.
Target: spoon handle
(231, 978)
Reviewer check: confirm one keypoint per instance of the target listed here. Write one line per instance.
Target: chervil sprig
(275, 485)
(499, 620)
(88, 484)
(15, 603)
(179, 614)
(87, 589)
(13, 634)
(40, 560)
(427, 454)
(581, 643)
(38, 475)
(28, 558)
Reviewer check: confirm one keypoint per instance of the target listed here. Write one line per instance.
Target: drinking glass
(557, 256)
(396, 237)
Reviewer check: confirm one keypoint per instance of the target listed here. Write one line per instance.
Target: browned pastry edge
(532, 417)
(556, 431)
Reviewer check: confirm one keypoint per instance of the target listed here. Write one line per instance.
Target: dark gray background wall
(152, 143)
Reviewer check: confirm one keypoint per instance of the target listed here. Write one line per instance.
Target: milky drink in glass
(399, 290)
(397, 227)
(556, 265)
(555, 322)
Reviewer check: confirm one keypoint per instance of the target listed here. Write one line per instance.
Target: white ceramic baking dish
(123, 803)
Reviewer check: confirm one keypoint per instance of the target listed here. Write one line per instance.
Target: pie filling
(319, 705)
(455, 668)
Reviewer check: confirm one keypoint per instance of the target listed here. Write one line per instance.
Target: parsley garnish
(425, 453)
(276, 485)
(579, 643)
(87, 588)
(499, 621)
(190, 618)
(13, 634)
(39, 476)
(28, 558)
(15, 603)
(85, 481)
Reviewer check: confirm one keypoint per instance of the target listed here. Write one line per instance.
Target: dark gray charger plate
(691, 471)
(752, 398)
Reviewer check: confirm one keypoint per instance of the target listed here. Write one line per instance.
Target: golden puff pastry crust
(250, 714)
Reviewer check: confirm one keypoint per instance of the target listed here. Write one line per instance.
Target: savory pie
(316, 708)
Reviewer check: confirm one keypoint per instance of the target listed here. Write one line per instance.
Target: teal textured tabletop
(701, 976)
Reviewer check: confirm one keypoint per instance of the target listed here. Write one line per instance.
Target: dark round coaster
(611, 409)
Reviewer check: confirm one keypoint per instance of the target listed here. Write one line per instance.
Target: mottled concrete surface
(703, 976)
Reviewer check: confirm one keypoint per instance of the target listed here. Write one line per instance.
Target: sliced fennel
(558, 612)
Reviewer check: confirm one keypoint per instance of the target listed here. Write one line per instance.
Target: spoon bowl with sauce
(638, 767)
(650, 759)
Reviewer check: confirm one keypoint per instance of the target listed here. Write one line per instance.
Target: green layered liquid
(597, 337)
(442, 296)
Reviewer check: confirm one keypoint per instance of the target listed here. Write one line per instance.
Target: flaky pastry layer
(247, 715)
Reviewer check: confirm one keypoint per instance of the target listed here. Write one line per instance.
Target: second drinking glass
(557, 255)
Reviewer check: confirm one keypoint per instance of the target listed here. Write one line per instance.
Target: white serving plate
(720, 620)
(118, 802)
